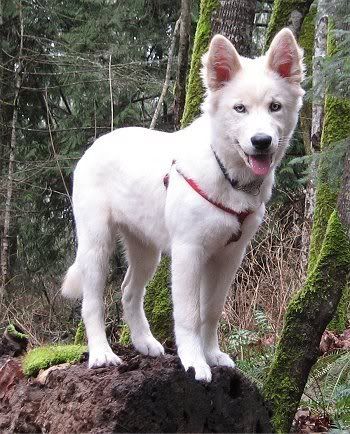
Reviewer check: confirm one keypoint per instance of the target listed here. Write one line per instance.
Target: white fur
(118, 189)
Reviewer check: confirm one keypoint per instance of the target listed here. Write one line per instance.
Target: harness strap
(241, 216)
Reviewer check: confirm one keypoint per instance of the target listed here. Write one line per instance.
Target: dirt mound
(142, 395)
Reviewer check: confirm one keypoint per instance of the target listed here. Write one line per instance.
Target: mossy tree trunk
(313, 38)
(289, 13)
(307, 316)
(182, 61)
(336, 129)
(313, 307)
(231, 18)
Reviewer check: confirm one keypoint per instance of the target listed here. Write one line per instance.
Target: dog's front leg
(216, 280)
(187, 265)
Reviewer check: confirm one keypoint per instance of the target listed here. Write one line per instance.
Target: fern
(328, 389)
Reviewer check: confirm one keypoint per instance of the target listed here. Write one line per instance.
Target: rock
(143, 395)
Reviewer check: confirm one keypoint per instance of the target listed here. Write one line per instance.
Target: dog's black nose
(261, 141)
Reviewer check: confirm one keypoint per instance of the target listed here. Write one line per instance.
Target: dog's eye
(240, 108)
(275, 106)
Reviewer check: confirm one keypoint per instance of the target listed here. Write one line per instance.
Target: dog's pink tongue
(260, 164)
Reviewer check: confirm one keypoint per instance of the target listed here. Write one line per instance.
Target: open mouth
(260, 163)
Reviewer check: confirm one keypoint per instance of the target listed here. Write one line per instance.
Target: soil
(143, 395)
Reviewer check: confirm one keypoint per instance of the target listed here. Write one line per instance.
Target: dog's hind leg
(96, 242)
(143, 260)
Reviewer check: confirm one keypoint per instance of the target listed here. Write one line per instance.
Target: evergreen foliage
(73, 51)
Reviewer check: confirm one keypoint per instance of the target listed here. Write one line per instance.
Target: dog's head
(253, 103)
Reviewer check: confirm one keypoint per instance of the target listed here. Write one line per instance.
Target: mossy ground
(44, 357)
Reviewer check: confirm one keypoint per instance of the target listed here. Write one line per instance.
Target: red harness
(241, 216)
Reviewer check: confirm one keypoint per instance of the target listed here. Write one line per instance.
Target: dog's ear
(220, 63)
(285, 56)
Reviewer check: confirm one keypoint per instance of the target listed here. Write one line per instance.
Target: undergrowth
(328, 389)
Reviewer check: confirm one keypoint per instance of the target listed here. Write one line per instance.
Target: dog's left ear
(285, 57)
(220, 63)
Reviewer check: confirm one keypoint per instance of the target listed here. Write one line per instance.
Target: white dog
(198, 193)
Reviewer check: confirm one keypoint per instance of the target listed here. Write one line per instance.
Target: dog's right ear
(220, 63)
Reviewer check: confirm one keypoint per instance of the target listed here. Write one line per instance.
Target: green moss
(326, 199)
(307, 316)
(44, 357)
(195, 89)
(340, 319)
(282, 10)
(79, 338)
(336, 122)
(158, 305)
(306, 40)
(15, 334)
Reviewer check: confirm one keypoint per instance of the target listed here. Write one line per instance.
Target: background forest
(71, 71)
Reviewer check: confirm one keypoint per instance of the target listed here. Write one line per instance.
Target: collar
(251, 188)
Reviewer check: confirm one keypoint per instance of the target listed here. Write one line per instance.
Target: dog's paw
(201, 368)
(103, 357)
(149, 346)
(218, 358)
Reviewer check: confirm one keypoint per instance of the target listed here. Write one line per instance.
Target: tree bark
(216, 16)
(235, 20)
(289, 13)
(18, 67)
(182, 61)
(317, 115)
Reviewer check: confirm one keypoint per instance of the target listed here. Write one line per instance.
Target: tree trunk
(167, 76)
(182, 61)
(312, 119)
(235, 20)
(216, 16)
(289, 13)
(307, 317)
(18, 66)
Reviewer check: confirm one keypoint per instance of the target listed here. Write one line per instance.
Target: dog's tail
(72, 284)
